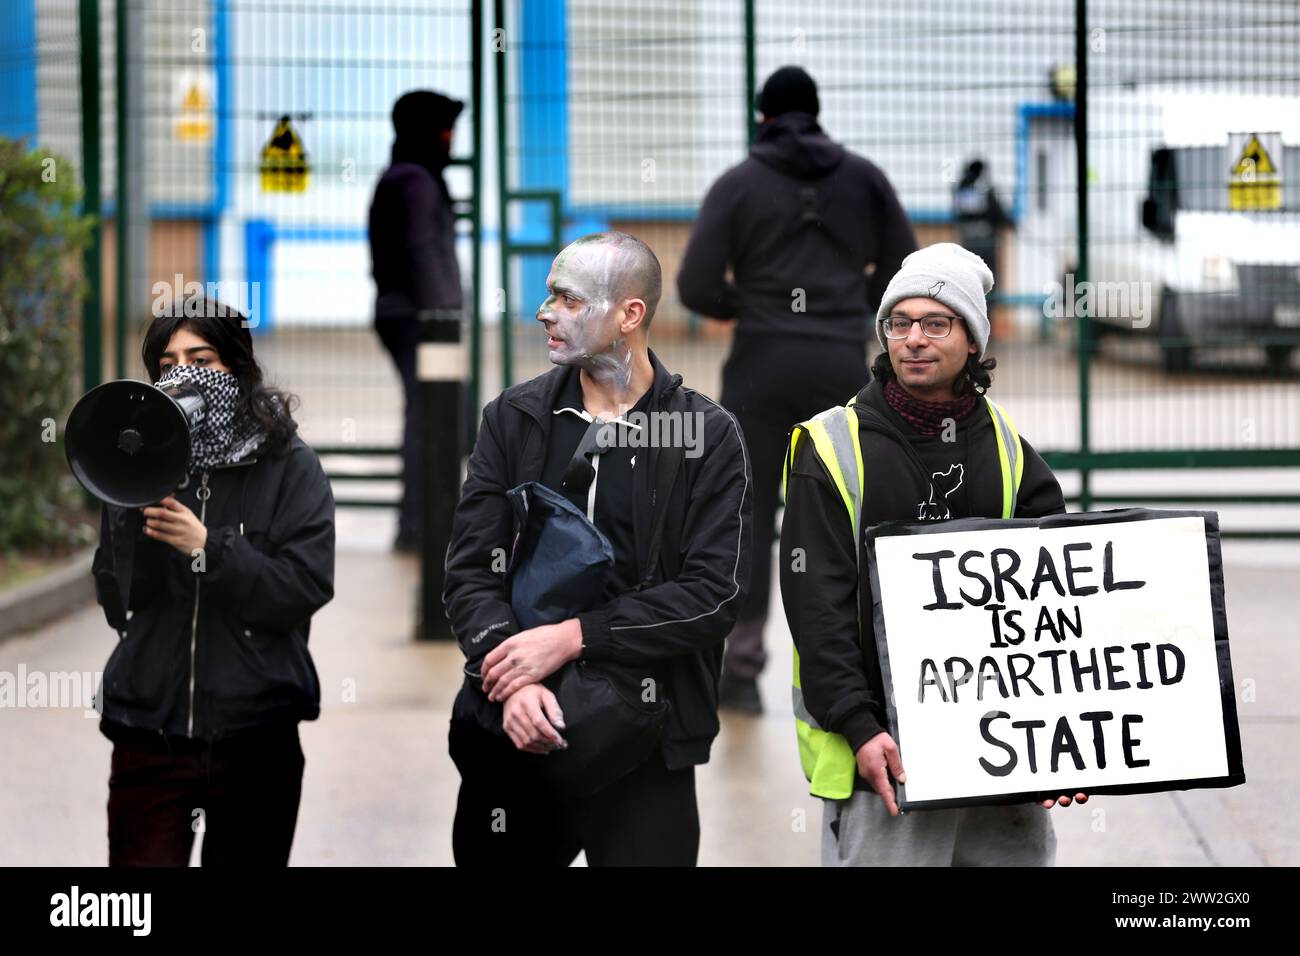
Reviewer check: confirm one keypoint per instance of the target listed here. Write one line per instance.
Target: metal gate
(245, 139)
(1147, 312)
(610, 115)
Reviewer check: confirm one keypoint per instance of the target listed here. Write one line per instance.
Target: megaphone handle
(123, 549)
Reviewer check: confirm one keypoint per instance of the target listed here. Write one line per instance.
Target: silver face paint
(577, 313)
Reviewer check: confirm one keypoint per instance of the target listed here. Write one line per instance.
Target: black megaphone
(128, 442)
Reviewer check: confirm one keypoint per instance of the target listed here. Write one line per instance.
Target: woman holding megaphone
(203, 694)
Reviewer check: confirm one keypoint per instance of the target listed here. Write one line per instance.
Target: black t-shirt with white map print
(947, 465)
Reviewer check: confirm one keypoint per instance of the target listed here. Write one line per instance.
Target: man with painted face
(933, 447)
(601, 296)
(413, 261)
(800, 224)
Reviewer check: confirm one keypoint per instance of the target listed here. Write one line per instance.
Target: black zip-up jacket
(676, 626)
(267, 568)
(840, 673)
(802, 213)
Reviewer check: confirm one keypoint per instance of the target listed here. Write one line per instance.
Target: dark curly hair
(973, 379)
(226, 330)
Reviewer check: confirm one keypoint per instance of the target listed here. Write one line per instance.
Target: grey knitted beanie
(947, 273)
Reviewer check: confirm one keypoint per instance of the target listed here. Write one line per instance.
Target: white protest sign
(1073, 653)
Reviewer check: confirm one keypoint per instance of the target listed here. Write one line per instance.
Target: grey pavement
(380, 789)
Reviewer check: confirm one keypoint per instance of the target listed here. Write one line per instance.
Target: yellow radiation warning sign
(284, 161)
(1255, 180)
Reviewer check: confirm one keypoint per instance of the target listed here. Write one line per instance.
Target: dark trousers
(242, 793)
(507, 815)
(771, 383)
(400, 335)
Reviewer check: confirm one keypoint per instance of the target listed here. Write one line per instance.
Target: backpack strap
(811, 216)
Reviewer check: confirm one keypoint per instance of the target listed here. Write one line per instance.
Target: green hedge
(42, 241)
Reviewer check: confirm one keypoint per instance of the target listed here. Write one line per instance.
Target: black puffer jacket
(218, 646)
(678, 625)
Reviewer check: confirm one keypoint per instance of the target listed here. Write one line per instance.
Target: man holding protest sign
(1032, 656)
(920, 442)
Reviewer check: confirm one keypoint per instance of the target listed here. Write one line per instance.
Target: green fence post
(476, 222)
(503, 203)
(751, 124)
(1084, 319)
(121, 238)
(92, 314)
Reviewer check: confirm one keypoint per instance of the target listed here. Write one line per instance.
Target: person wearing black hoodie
(798, 223)
(413, 261)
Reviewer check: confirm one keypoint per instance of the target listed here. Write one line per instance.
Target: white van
(1196, 199)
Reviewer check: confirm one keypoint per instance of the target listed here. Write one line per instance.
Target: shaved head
(635, 272)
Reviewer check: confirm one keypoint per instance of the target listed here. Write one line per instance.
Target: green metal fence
(186, 107)
(1147, 301)
(613, 116)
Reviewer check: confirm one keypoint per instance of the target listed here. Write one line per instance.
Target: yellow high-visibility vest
(828, 761)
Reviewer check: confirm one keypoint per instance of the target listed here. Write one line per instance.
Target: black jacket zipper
(203, 494)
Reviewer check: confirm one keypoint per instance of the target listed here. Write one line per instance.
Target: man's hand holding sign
(879, 763)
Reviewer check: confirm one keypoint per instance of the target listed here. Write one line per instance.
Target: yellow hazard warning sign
(193, 119)
(284, 161)
(1255, 176)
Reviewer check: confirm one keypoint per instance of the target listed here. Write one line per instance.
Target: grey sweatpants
(860, 832)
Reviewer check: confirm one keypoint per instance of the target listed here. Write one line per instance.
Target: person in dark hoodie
(799, 224)
(413, 261)
(930, 450)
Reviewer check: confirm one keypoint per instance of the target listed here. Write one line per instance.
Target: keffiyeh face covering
(224, 435)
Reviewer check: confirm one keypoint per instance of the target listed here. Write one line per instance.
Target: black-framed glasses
(935, 325)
